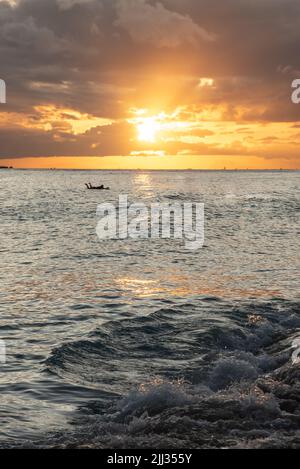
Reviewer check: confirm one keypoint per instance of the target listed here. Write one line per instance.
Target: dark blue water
(144, 343)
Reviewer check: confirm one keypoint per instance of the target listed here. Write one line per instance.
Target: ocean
(143, 343)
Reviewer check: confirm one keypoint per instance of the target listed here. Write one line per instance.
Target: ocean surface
(136, 344)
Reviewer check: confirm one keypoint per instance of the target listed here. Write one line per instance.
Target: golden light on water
(174, 284)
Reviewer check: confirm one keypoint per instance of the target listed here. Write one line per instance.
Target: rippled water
(120, 340)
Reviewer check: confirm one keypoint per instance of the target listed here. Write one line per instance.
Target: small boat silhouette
(96, 188)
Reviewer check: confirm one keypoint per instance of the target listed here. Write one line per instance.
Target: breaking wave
(207, 374)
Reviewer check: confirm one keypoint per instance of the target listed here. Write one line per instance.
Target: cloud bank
(78, 72)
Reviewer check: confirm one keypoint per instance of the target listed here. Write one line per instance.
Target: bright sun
(147, 129)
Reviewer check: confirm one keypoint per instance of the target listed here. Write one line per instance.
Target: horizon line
(235, 170)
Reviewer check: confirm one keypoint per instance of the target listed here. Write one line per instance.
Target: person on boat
(89, 186)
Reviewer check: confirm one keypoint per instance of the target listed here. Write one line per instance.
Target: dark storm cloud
(98, 57)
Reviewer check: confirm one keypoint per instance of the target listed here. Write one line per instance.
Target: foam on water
(179, 384)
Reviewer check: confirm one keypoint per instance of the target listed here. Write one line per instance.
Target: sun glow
(147, 129)
(161, 127)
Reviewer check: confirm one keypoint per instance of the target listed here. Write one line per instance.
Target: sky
(168, 84)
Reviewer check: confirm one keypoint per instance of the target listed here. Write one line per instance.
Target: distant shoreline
(157, 170)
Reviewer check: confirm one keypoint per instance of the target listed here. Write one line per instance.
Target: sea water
(143, 343)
